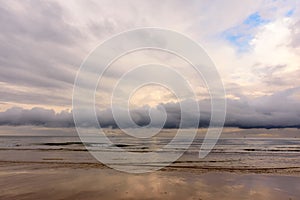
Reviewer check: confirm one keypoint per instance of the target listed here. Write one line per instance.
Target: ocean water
(254, 150)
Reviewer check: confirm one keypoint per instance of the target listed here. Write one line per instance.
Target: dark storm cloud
(35, 116)
(281, 109)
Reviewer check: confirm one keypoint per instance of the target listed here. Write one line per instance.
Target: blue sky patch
(255, 20)
(241, 41)
(241, 35)
(289, 13)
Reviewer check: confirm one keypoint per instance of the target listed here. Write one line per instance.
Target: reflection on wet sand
(40, 182)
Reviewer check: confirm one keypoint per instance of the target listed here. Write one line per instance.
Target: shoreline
(292, 171)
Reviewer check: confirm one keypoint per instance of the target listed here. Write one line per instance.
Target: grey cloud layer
(39, 50)
(278, 110)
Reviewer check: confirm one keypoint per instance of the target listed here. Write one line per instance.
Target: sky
(255, 45)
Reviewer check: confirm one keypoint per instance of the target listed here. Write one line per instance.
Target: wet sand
(57, 181)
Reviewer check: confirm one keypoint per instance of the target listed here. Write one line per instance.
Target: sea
(237, 150)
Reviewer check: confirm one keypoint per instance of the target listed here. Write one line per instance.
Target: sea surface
(238, 150)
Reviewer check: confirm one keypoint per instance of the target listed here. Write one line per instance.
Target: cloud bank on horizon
(255, 46)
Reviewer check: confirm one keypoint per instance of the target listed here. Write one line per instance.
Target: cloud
(281, 109)
(255, 45)
(295, 34)
(35, 116)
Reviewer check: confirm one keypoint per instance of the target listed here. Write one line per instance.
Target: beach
(52, 163)
(40, 181)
